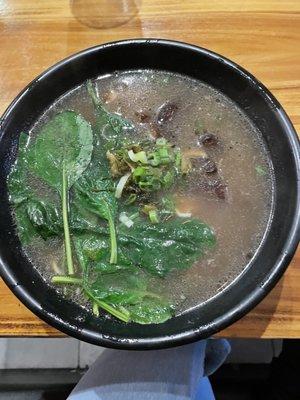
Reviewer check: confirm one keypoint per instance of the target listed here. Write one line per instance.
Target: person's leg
(172, 374)
(204, 390)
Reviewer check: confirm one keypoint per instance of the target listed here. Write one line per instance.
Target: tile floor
(71, 353)
(46, 353)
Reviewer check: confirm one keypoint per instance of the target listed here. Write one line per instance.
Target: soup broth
(228, 185)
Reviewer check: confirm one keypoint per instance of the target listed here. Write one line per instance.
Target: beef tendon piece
(165, 113)
(210, 184)
(153, 132)
(208, 140)
(209, 166)
(205, 164)
(219, 188)
(143, 116)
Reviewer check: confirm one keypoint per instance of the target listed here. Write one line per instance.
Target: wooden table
(262, 36)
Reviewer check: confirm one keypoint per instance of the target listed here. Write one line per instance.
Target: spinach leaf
(127, 292)
(151, 311)
(45, 218)
(94, 251)
(111, 127)
(159, 248)
(25, 229)
(155, 248)
(83, 221)
(20, 193)
(18, 188)
(98, 198)
(121, 288)
(115, 277)
(121, 314)
(59, 155)
(37, 217)
(63, 147)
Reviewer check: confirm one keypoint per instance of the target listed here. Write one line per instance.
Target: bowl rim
(232, 315)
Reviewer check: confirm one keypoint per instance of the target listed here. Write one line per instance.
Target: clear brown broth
(239, 221)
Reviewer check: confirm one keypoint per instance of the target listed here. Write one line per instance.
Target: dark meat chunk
(208, 140)
(211, 184)
(209, 166)
(165, 113)
(221, 191)
(143, 116)
(206, 164)
(218, 187)
(154, 132)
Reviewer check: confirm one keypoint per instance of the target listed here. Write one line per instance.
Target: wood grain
(262, 36)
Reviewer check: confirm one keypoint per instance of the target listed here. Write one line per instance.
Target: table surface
(262, 36)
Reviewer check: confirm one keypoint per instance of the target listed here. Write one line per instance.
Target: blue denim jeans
(179, 373)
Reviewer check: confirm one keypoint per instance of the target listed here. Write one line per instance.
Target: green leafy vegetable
(25, 228)
(18, 190)
(66, 280)
(128, 294)
(63, 147)
(97, 197)
(111, 127)
(168, 208)
(173, 244)
(121, 246)
(20, 193)
(147, 178)
(146, 167)
(121, 314)
(199, 126)
(153, 216)
(59, 155)
(93, 253)
(130, 199)
(151, 311)
(150, 250)
(140, 156)
(121, 289)
(45, 218)
(260, 170)
(156, 248)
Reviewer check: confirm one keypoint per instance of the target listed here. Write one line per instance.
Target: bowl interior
(272, 257)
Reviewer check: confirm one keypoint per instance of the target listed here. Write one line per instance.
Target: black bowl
(279, 243)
